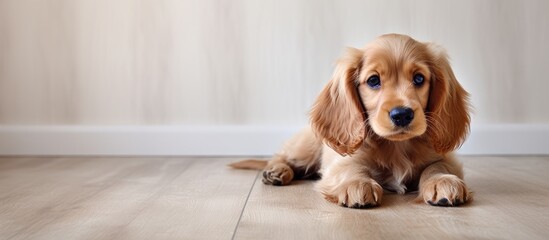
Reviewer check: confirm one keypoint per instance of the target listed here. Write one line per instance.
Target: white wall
(215, 62)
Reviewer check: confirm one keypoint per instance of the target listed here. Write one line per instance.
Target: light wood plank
(511, 202)
(34, 192)
(515, 186)
(116, 198)
(186, 198)
(204, 203)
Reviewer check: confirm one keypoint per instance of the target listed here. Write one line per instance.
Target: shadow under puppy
(388, 119)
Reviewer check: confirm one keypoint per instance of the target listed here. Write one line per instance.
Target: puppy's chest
(396, 172)
(400, 181)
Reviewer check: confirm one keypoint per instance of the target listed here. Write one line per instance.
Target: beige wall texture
(218, 62)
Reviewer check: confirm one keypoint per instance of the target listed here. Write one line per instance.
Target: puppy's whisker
(435, 122)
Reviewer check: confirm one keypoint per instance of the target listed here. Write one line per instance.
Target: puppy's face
(399, 89)
(394, 82)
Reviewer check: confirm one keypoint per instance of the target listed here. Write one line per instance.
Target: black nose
(401, 116)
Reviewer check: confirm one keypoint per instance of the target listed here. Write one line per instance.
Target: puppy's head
(396, 88)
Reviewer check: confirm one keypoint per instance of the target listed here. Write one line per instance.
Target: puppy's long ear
(448, 108)
(338, 116)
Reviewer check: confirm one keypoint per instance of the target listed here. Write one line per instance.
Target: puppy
(388, 119)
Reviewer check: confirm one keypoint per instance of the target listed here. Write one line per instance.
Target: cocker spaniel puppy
(388, 119)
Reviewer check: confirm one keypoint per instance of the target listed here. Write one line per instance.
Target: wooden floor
(200, 198)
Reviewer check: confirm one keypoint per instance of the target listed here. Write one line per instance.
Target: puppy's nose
(401, 116)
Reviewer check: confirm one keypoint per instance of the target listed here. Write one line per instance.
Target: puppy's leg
(347, 183)
(441, 184)
(298, 159)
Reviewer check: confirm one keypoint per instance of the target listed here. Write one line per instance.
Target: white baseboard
(224, 140)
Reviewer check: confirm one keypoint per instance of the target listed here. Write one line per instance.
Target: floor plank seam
(245, 204)
(155, 195)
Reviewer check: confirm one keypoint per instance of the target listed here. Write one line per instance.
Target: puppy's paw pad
(362, 206)
(444, 202)
(445, 190)
(278, 175)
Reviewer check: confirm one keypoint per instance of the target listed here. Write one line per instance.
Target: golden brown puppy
(388, 119)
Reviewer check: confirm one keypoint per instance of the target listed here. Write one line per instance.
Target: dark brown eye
(418, 79)
(374, 82)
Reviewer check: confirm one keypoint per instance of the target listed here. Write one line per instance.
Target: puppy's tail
(254, 164)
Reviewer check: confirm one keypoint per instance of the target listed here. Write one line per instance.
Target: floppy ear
(338, 116)
(448, 108)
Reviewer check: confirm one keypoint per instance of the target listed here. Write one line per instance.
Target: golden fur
(356, 148)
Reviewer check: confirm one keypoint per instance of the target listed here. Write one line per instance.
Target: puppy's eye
(374, 82)
(418, 79)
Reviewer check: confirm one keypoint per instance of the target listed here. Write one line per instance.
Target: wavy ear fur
(338, 116)
(448, 108)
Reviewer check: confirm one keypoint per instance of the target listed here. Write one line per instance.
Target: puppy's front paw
(445, 190)
(278, 174)
(363, 193)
